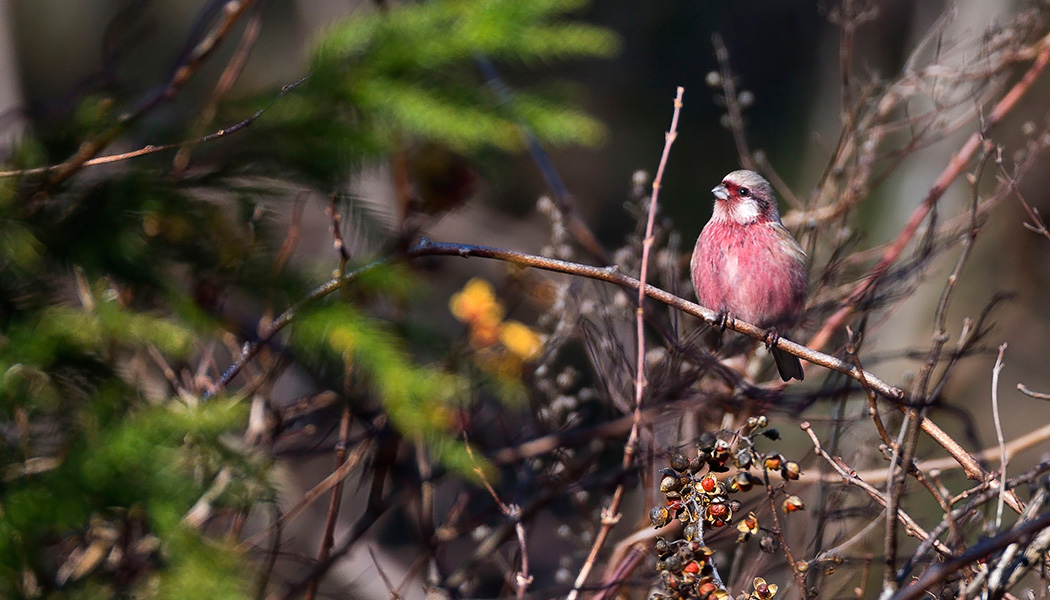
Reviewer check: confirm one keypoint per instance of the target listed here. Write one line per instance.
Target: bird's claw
(771, 338)
(722, 321)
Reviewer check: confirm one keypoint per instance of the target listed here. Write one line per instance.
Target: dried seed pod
(659, 516)
(689, 532)
(708, 484)
(670, 483)
(763, 590)
(707, 588)
(679, 462)
(718, 510)
(773, 462)
(743, 458)
(791, 470)
(747, 528)
(721, 449)
(768, 544)
(793, 504)
(743, 481)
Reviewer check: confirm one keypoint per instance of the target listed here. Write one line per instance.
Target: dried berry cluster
(697, 496)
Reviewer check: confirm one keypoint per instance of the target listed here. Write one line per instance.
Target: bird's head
(745, 197)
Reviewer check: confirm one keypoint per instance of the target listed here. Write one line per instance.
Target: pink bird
(746, 263)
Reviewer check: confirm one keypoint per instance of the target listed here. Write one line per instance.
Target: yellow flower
(520, 340)
(476, 304)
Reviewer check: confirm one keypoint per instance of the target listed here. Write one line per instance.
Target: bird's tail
(788, 365)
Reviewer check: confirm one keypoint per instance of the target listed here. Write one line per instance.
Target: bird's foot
(722, 321)
(771, 339)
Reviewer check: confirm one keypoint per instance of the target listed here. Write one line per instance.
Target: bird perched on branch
(747, 265)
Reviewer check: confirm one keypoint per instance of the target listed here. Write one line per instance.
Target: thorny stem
(610, 516)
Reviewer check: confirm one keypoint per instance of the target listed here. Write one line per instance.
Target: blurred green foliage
(117, 267)
(409, 76)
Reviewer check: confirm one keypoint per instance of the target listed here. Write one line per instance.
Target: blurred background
(71, 72)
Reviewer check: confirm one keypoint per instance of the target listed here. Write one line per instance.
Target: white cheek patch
(744, 212)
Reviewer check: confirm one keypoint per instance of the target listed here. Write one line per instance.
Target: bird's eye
(744, 192)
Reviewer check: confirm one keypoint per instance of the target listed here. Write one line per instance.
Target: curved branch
(609, 274)
(612, 274)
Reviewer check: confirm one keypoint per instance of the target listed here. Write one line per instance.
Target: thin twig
(1027, 392)
(313, 494)
(1037, 225)
(153, 149)
(910, 525)
(999, 436)
(954, 168)
(736, 117)
(610, 515)
(1012, 448)
(522, 579)
(983, 495)
(193, 60)
(981, 550)
(778, 531)
(386, 580)
(336, 501)
(229, 76)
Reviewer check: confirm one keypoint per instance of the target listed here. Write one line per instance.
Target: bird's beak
(720, 192)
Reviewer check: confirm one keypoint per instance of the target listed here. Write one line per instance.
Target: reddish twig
(952, 171)
(335, 502)
(610, 515)
(153, 149)
(200, 53)
(313, 494)
(229, 76)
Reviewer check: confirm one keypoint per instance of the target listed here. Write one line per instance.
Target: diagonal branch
(954, 168)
